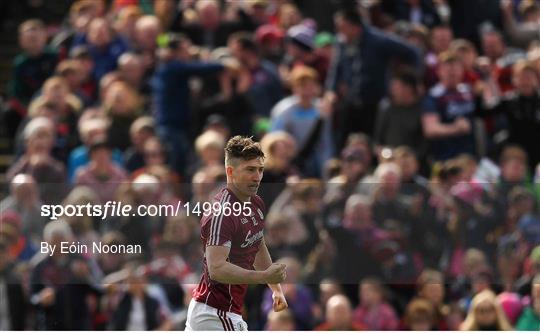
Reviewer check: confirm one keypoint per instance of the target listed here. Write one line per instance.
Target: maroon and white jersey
(243, 234)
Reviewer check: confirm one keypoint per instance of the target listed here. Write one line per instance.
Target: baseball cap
(323, 39)
(268, 32)
(302, 36)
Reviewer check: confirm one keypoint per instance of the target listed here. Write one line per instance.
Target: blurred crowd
(402, 175)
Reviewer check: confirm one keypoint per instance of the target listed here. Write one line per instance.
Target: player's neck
(237, 193)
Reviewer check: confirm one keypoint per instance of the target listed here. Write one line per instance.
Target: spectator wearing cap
(171, 98)
(101, 174)
(398, 121)
(324, 44)
(358, 75)
(530, 318)
(24, 199)
(13, 302)
(300, 51)
(269, 38)
(448, 112)
(308, 122)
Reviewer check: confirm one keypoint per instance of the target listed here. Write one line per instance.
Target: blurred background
(402, 177)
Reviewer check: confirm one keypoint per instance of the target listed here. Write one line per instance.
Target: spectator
(132, 71)
(530, 318)
(171, 98)
(82, 57)
(24, 199)
(308, 122)
(300, 46)
(280, 321)
(147, 29)
(101, 174)
(398, 120)
(48, 172)
(430, 286)
(209, 148)
(420, 316)
(122, 106)
(299, 297)
(373, 311)
(511, 305)
(279, 147)
(61, 281)
(519, 106)
(140, 131)
(265, 89)
(521, 33)
(211, 30)
(137, 310)
(13, 304)
(32, 67)
(104, 47)
(20, 248)
(448, 112)
(90, 131)
(485, 314)
(339, 316)
(351, 82)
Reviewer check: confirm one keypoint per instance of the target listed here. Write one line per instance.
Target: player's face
(247, 175)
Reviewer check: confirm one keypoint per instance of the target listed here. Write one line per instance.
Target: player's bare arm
(262, 262)
(224, 272)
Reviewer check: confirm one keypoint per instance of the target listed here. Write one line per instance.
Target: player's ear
(229, 171)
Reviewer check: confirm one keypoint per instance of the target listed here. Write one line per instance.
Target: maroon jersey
(243, 234)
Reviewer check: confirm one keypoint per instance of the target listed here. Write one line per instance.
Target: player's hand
(275, 273)
(280, 303)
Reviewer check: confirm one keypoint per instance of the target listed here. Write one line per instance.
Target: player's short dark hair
(243, 148)
(350, 15)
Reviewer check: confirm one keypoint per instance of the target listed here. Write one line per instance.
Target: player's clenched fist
(279, 301)
(275, 273)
